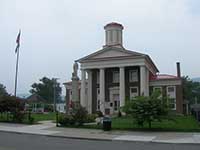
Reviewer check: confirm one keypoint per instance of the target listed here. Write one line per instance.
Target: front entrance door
(116, 102)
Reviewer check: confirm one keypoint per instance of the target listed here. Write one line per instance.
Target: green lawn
(37, 117)
(179, 123)
(43, 117)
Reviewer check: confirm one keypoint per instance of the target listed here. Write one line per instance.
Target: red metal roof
(163, 77)
(114, 24)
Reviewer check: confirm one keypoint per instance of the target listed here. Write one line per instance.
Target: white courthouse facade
(113, 74)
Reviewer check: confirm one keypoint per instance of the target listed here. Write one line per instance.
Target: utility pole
(54, 94)
(54, 100)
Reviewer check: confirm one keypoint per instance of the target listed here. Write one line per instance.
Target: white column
(89, 104)
(83, 102)
(122, 86)
(143, 87)
(114, 36)
(147, 82)
(102, 89)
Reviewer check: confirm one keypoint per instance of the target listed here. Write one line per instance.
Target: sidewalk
(49, 129)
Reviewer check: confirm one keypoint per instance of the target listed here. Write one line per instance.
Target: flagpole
(16, 73)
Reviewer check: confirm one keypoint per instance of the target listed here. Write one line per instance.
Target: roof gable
(110, 52)
(35, 98)
(114, 52)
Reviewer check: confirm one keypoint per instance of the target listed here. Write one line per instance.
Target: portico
(105, 74)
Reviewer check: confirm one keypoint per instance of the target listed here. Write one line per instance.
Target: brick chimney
(178, 69)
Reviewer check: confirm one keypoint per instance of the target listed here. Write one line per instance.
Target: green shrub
(65, 120)
(147, 109)
(18, 116)
(31, 120)
(90, 118)
(80, 115)
(48, 108)
(119, 114)
(99, 114)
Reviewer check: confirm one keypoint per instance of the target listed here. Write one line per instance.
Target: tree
(191, 90)
(45, 88)
(147, 108)
(3, 91)
(14, 106)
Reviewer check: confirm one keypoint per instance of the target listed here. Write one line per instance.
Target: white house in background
(113, 74)
(61, 107)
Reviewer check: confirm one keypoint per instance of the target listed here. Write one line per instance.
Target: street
(13, 141)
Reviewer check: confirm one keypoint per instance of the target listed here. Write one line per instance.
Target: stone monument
(75, 86)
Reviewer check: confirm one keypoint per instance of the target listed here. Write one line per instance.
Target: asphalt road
(13, 141)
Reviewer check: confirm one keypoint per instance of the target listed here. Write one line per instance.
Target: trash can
(107, 123)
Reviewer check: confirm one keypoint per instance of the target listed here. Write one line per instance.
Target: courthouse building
(113, 74)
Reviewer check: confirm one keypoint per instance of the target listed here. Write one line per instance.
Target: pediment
(110, 53)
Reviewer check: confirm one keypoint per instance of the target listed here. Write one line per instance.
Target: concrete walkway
(49, 129)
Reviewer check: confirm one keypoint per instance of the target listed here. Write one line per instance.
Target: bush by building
(78, 117)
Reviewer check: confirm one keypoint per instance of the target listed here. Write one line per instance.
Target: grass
(4, 117)
(179, 123)
(43, 117)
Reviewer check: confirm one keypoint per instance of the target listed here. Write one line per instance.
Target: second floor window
(115, 76)
(98, 78)
(133, 76)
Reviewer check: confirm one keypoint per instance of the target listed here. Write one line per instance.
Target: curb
(95, 139)
(59, 136)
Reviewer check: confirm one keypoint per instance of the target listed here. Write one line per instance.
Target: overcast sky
(57, 32)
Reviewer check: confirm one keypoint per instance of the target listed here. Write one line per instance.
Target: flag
(18, 41)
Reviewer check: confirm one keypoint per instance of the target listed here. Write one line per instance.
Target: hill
(196, 79)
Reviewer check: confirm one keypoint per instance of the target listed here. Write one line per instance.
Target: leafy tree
(45, 88)
(147, 109)
(3, 91)
(14, 106)
(191, 90)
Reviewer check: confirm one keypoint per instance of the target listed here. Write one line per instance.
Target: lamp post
(54, 100)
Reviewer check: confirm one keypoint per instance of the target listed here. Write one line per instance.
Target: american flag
(18, 41)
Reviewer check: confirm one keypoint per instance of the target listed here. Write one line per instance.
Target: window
(98, 99)
(171, 93)
(97, 77)
(116, 105)
(98, 104)
(98, 91)
(111, 35)
(133, 92)
(171, 89)
(116, 102)
(107, 111)
(115, 76)
(133, 76)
